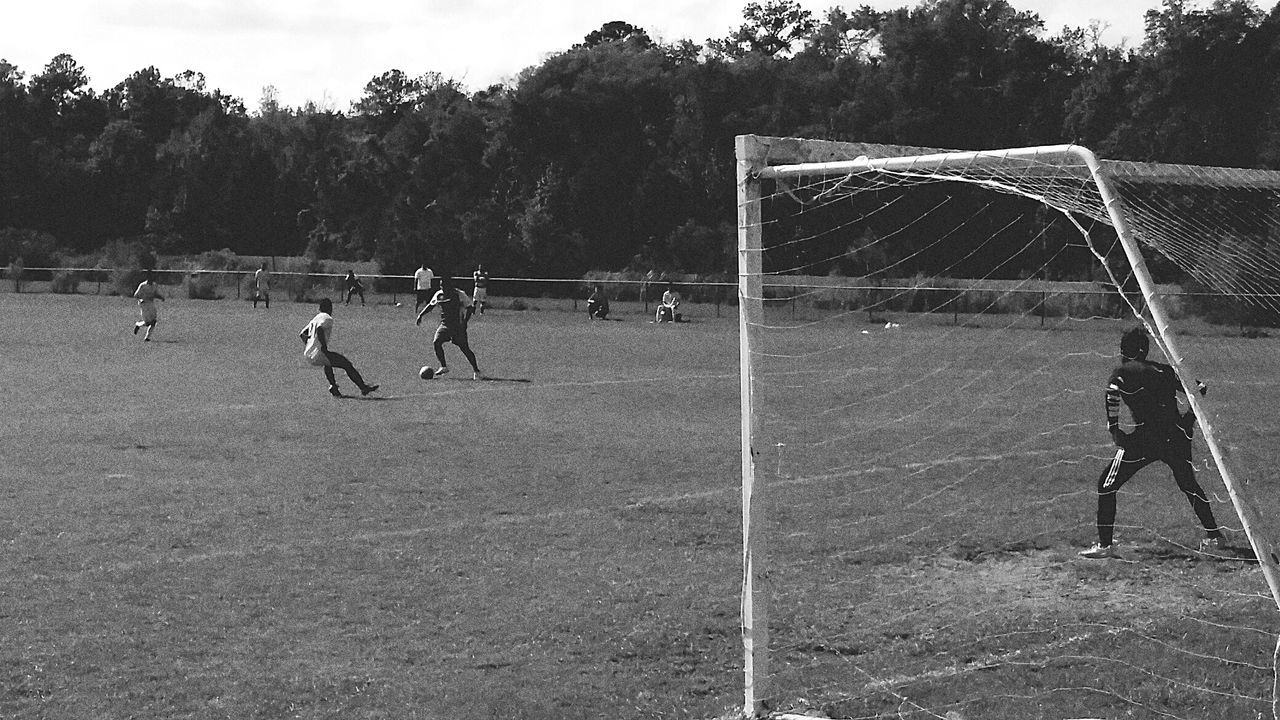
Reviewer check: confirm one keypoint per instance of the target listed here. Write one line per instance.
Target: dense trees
(617, 151)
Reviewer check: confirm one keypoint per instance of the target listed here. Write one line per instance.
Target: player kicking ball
(317, 335)
(1161, 433)
(456, 308)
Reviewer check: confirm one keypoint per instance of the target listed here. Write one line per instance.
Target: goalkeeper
(1149, 389)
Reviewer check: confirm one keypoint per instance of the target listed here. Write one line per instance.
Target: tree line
(617, 153)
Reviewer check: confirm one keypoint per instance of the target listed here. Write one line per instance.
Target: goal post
(1068, 179)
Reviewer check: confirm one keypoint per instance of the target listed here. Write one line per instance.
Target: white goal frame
(761, 159)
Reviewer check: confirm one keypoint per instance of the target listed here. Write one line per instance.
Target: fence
(799, 297)
(309, 287)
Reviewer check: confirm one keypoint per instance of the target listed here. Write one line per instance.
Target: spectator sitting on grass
(667, 309)
(597, 305)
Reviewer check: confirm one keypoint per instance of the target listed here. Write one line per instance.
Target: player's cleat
(477, 375)
(368, 389)
(334, 391)
(1098, 551)
(441, 370)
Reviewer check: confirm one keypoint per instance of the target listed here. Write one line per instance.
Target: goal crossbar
(1066, 160)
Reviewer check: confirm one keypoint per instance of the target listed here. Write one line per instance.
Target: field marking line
(503, 520)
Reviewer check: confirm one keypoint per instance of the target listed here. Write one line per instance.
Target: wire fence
(309, 287)
(799, 297)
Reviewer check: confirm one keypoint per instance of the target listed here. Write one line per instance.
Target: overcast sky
(325, 51)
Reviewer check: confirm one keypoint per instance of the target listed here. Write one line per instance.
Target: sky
(325, 51)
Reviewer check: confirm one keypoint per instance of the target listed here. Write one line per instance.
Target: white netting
(928, 377)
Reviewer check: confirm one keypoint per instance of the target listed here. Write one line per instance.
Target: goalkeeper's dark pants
(1140, 450)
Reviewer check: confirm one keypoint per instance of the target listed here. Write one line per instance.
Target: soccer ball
(427, 372)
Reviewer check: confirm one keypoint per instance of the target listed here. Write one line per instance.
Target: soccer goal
(926, 339)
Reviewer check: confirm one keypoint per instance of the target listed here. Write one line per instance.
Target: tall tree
(771, 30)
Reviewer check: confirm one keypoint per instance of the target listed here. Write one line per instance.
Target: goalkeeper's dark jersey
(1149, 389)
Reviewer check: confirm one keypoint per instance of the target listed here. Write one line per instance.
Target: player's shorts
(318, 358)
(480, 295)
(423, 296)
(457, 336)
(148, 310)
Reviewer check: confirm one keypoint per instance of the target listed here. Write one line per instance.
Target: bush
(218, 260)
(203, 286)
(126, 259)
(65, 282)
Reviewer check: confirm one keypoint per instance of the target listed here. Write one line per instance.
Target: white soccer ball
(427, 372)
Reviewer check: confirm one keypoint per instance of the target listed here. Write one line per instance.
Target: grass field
(193, 528)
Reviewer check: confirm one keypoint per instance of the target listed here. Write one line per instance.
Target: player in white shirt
(480, 289)
(423, 279)
(147, 294)
(317, 335)
(670, 303)
(262, 286)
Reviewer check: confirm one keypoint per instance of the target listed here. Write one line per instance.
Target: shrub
(218, 260)
(66, 282)
(203, 286)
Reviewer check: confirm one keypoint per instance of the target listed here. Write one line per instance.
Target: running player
(480, 293)
(1161, 432)
(456, 309)
(317, 335)
(262, 286)
(147, 294)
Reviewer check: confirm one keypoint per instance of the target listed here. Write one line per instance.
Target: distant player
(480, 288)
(455, 310)
(354, 287)
(597, 305)
(262, 286)
(1149, 389)
(423, 281)
(317, 335)
(147, 294)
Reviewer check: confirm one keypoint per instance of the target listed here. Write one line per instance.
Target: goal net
(927, 338)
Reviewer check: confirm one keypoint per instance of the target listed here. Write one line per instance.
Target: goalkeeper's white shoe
(1098, 551)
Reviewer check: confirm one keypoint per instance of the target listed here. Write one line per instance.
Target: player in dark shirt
(456, 308)
(1161, 433)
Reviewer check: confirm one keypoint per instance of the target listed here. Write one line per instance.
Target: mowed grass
(194, 528)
